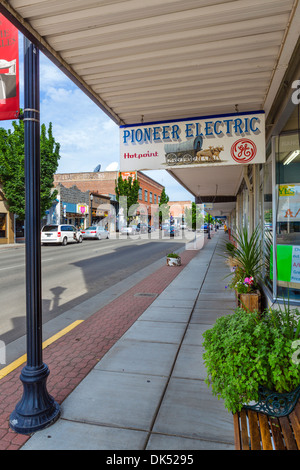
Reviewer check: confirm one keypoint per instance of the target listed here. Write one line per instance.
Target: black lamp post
(37, 409)
(208, 227)
(91, 198)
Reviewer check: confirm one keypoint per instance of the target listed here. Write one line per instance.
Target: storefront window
(2, 225)
(288, 215)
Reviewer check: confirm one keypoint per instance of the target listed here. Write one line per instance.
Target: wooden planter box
(251, 301)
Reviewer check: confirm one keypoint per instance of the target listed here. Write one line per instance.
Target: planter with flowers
(248, 295)
(173, 259)
(245, 261)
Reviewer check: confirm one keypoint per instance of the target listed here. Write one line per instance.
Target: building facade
(104, 183)
(269, 198)
(70, 207)
(7, 233)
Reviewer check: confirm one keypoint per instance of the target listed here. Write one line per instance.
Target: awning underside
(156, 60)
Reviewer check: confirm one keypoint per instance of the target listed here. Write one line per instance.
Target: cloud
(86, 135)
(114, 166)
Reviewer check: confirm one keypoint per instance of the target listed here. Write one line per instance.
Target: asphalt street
(72, 274)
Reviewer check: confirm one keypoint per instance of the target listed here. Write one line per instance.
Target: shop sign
(128, 174)
(233, 139)
(289, 203)
(9, 70)
(82, 209)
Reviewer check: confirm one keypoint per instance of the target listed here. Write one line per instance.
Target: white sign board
(295, 273)
(211, 141)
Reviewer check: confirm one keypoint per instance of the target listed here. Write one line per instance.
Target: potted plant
(247, 291)
(246, 263)
(251, 361)
(173, 259)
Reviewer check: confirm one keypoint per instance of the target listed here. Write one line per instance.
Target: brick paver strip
(73, 356)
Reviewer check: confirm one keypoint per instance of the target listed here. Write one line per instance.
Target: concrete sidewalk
(148, 391)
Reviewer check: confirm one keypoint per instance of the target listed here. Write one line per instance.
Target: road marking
(15, 364)
(22, 265)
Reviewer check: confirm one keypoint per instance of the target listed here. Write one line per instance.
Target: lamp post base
(37, 409)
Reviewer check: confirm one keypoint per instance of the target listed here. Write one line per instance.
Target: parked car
(143, 228)
(95, 232)
(130, 230)
(204, 228)
(60, 234)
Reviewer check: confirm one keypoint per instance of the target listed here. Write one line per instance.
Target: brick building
(103, 183)
(177, 210)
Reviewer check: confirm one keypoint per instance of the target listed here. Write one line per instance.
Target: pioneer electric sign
(216, 140)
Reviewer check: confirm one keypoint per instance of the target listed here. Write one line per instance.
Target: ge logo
(243, 150)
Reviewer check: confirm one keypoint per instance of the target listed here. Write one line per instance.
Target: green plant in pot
(246, 356)
(173, 259)
(247, 252)
(247, 263)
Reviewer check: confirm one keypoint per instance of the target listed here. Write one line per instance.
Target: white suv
(61, 234)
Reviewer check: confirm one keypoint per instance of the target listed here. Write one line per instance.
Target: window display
(288, 215)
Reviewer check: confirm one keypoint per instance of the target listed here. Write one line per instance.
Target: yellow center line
(15, 364)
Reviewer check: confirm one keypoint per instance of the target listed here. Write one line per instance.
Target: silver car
(95, 232)
(130, 230)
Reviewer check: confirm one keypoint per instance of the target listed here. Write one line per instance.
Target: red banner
(9, 70)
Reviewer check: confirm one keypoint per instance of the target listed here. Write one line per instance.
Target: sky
(87, 136)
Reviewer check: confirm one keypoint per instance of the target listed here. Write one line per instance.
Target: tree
(193, 216)
(164, 209)
(128, 188)
(12, 176)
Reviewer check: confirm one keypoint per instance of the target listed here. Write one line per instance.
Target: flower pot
(274, 403)
(173, 261)
(250, 301)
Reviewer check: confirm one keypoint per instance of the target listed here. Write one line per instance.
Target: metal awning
(164, 60)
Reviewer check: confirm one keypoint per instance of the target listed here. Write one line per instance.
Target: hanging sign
(9, 70)
(212, 141)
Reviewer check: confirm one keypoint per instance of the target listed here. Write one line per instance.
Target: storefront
(70, 207)
(6, 223)
(284, 215)
(269, 197)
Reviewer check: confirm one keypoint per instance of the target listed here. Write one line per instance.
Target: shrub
(243, 352)
(172, 255)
